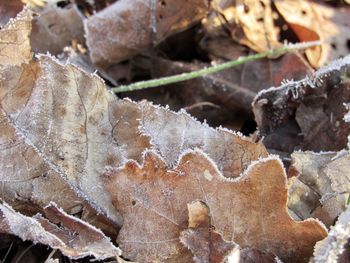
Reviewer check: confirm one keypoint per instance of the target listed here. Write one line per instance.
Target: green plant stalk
(214, 69)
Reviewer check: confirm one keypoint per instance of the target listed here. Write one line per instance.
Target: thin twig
(210, 70)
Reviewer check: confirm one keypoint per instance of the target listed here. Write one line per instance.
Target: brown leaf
(58, 139)
(14, 45)
(206, 244)
(306, 114)
(321, 189)
(127, 27)
(75, 238)
(250, 210)
(65, 128)
(315, 21)
(250, 23)
(56, 28)
(231, 152)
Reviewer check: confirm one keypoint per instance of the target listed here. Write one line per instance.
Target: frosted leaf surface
(75, 238)
(127, 27)
(332, 247)
(250, 210)
(172, 133)
(307, 114)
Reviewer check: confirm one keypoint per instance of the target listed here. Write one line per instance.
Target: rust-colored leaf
(250, 210)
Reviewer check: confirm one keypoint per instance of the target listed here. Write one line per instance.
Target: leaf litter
(164, 186)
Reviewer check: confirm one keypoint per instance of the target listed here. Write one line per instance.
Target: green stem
(210, 70)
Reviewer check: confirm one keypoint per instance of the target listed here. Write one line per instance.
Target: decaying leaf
(56, 28)
(250, 210)
(73, 128)
(205, 243)
(330, 249)
(322, 188)
(75, 238)
(143, 24)
(14, 45)
(307, 114)
(311, 21)
(249, 22)
(231, 152)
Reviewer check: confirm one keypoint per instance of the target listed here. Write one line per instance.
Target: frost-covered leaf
(231, 152)
(307, 114)
(55, 28)
(73, 129)
(250, 210)
(330, 249)
(322, 187)
(206, 244)
(127, 27)
(75, 238)
(14, 40)
(59, 129)
(316, 21)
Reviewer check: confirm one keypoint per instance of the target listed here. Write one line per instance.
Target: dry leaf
(56, 28)
(315, 21)
(14, 45)
(73, 132)
(306, 114)
(250, 210)
(127, 27)
(322, 187)
(231, 152)
(58, 139)
(250, 23)
(75, 238)
(205, 243)
(330, 249)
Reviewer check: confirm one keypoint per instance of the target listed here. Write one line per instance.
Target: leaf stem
(216, 68)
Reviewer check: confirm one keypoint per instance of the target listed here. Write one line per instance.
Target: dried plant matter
(56, 229)
(143, 23)
(331, 248)
(250, 210)
(306, 114)
(201, 238)
(316, 21)
(321, 189)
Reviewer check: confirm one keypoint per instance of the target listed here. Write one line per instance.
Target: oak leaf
(250, 210)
